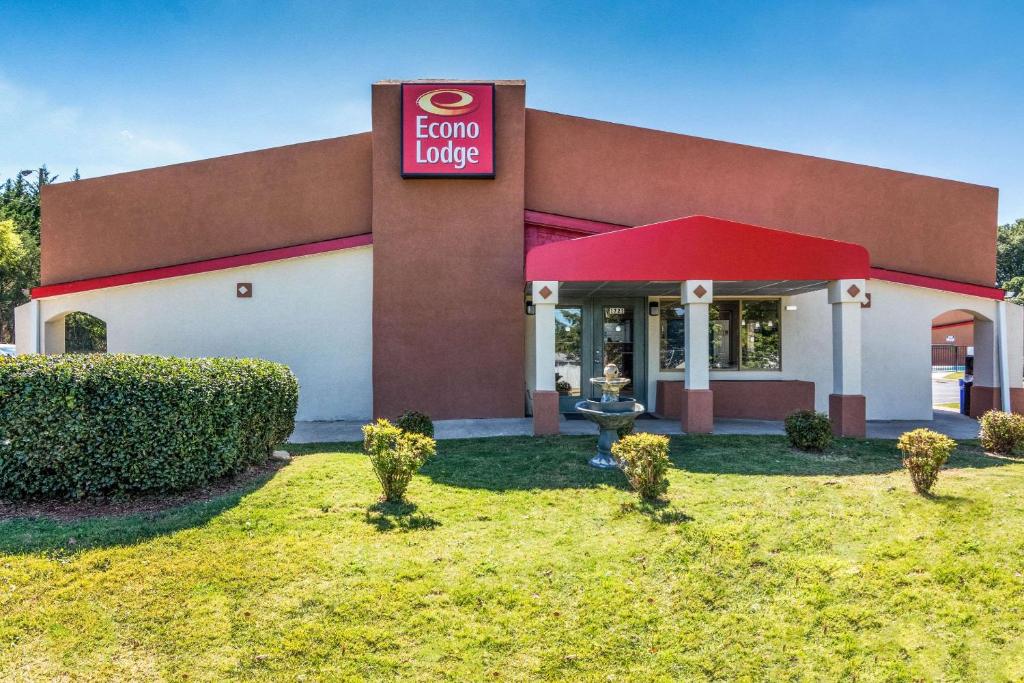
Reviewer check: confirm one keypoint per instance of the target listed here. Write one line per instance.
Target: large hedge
(73, 426)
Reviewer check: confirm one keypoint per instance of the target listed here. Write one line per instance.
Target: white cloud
(35, 129)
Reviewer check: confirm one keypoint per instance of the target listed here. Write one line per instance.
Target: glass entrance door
(615, 342)
(590, 334)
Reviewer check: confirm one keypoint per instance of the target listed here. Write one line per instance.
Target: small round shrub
(625, 430)
(75, 426)
(808, 430)
(644, 459)
(924, 453)
(395, 455)
(1001, 432)
(415, 422)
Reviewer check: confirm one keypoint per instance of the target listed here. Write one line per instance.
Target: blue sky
(928, 87)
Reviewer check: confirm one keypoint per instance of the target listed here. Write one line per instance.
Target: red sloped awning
(697, 248)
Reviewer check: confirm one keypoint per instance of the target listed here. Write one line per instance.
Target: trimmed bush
(808, 430)
(75, 426)
(924, 453)
(645, 462)
(395, 456)
(416, 423)
(1001, 432)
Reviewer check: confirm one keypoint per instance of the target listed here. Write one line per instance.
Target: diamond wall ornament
(700, 291)
(853, 291)
(545, 292)
(243, 290)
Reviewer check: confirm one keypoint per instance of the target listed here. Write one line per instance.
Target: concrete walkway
(948, 422)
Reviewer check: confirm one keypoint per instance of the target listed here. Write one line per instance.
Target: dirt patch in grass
(69, 511)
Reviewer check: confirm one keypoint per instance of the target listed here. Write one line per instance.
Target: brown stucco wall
(448, 319)
(204, 209)
(622, 174)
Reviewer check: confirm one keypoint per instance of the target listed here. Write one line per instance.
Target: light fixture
(654, 308)
(529, 308)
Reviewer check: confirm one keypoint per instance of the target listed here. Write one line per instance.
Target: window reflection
(724, 340)
(761, 336)
(744, 334)
(568, 349)
(673, 335)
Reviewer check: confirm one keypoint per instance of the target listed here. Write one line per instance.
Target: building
(471, 257)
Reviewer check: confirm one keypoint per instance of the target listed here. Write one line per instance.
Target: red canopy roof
(697, 248)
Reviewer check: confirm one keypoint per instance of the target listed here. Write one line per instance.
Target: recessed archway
(75, 332)
(961, 350)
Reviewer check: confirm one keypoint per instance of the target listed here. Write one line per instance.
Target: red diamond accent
(700, 291)
(853, 291)
(544, 292)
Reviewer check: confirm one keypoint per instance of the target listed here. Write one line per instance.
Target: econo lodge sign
(447, 130)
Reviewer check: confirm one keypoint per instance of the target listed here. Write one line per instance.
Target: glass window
(760, 336)
(673, 329)
(568, 349)
(745, 334)
(724, 316)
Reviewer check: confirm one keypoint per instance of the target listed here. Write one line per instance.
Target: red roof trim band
(554, 220)
(955, 286)
(196, 267)
(959, 324)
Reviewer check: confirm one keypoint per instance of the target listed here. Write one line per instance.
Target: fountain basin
(623, 406)
(609, 422)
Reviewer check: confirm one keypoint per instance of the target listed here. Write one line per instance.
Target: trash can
(965, 386)
(965, 397)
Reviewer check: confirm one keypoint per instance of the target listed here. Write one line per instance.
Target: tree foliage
(19, 270)
(1010, 257)
(19, 241)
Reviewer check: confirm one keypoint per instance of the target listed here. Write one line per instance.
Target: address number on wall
(616, 310)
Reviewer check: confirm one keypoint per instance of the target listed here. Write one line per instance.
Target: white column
(846, 297)
(27, 328)
(1004, 356)
(696, 297)
(545, 298)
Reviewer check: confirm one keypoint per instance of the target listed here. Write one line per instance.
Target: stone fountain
(610, 414)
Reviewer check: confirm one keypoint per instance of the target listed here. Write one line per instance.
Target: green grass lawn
(517, 561)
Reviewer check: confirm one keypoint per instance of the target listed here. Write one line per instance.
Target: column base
(545, 413)
(848, 412)
(984, 399)
(698, 411)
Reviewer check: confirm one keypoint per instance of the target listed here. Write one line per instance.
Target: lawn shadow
(385, 516)
(520, 463)
(66, 530)
(658, 511)
(946, 499)
(772, 455)
(560, 462)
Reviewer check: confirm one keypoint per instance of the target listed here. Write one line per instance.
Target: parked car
(7, 350)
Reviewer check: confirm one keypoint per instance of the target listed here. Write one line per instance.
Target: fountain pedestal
(610, 414)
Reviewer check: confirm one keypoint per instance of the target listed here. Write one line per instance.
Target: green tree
(19, 266)
(19, 270)
(1010, 254)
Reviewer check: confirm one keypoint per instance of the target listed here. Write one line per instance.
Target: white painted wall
(896, 348)
(312, 313)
